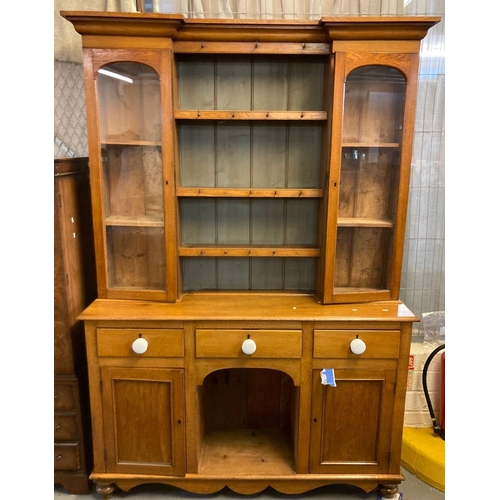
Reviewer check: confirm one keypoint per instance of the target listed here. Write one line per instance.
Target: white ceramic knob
(140, 345)
(358, 346)
(249, 346)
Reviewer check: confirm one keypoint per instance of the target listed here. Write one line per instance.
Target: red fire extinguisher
(438, 427)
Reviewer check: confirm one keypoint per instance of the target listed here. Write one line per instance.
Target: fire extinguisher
(438, 427)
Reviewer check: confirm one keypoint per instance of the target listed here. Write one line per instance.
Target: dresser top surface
(246, 307)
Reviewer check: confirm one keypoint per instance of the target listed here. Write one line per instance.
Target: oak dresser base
(249, 485)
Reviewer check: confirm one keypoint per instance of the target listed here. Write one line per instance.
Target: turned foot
(105, 490)
(388, 491)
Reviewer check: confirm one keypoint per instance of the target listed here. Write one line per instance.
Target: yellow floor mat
(423, 455)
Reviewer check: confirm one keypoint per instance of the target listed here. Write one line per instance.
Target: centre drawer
(167, 343)
(229, 343)
(379, 344)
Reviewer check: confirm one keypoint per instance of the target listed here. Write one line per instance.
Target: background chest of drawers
(74, 289)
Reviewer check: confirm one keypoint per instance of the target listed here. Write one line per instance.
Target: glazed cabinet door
(370, 167)
(129, 105)
(143, 415)
(351, 423)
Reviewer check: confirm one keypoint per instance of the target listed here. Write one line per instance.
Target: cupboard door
(130, 127)
(143, 414)
(370, 168)
(351, 423)
(131, 163)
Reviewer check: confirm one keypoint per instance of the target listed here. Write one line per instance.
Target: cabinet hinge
(327, 175)
(394, 388)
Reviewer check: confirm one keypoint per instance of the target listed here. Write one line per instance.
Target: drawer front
(380, 344)
(65, 427)
(268, 343)
(160, 342)
(66, 456)
(64, 396)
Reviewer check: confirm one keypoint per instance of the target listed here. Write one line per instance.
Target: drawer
(268, 343)
(381, 344)
(66, 456)
(65, 396)
(160, 342)
(65, 427)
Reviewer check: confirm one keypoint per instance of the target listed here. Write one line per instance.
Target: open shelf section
(248, 193)
(247, 452)
(246, 251)
(249, 115)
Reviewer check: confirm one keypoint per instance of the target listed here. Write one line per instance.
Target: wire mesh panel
(70, 119)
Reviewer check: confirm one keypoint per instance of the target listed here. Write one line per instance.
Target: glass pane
(373, 109)
(369, 176)
(361, 257)
(130, 130)
(136, 257)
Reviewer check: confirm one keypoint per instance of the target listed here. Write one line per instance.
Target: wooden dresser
(249, 192)
(74, 289)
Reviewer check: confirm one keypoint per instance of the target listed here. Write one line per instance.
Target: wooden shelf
(392, 145)
(246, 251)
(248, 193)
(130, 143)
(133, 221)
(363, 222)
(247, 452)
(249, 115)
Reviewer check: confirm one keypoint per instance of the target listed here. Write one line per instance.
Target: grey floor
(412, 489)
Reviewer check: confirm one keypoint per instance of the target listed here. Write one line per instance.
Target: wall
(416, 409)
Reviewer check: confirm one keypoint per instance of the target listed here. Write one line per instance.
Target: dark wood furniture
(74, 289)
(249, 187)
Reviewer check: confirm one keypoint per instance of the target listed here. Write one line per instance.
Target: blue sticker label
(328, 377)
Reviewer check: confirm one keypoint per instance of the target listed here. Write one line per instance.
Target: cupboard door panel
(143, 413)
(351, 423)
